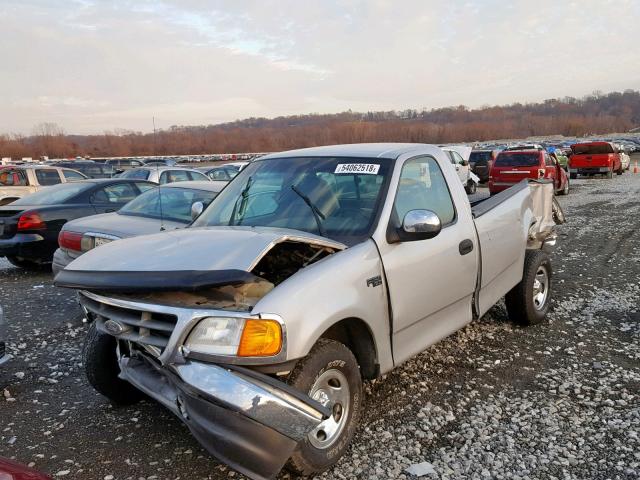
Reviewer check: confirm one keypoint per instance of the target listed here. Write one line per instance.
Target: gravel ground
(559, 400)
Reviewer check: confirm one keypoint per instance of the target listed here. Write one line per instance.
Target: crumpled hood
(196, 249)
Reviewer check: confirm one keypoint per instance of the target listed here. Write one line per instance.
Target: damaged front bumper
(247, 420)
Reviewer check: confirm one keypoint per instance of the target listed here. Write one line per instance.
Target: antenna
(153, 119)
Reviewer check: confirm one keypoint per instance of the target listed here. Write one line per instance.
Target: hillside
(573, 117)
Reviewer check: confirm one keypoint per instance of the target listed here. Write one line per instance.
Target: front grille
(146, 328)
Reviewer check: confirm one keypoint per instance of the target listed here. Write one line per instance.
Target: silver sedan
(167, 207)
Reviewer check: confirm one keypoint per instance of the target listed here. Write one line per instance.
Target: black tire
(573, 176)
(470, 187)
(29, 265)
(101, 368)
(565, 190)
(521, 306)
(326, 357)
(620, 171)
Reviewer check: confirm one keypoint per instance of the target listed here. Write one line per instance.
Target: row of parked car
(506, 167)
(41, 207)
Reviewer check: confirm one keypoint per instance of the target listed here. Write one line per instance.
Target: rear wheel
(330, 375)
(565, 190)
(101, 367)
(528, 302)
(27, 264)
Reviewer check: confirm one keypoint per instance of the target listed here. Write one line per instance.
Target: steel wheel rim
(331, 389)
(540, 288)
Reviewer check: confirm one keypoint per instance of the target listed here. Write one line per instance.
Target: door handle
(466, 246)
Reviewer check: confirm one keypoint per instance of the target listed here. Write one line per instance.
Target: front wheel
(528, 302)
(101, 368)
(471, 187)
(565, 190)
(330, 375)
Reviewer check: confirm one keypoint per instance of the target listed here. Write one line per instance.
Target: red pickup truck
(594, 158)
(512, 166)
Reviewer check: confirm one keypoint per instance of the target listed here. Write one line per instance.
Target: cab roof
(359, 150)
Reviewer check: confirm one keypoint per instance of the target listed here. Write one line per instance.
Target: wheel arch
(356, 335)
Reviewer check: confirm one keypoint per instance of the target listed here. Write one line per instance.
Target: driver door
(430, 282)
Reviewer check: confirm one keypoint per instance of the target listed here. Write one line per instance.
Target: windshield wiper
(317, 214)
(244, 195)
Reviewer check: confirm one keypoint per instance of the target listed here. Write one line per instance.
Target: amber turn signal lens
(260, 338)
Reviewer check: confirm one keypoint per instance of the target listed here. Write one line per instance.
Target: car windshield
(137, 173)
(54, 194)
(480, 158)
(592, 149)
(169, 203)
(517, 160)
(339, 198)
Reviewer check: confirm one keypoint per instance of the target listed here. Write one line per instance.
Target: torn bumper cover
(245, 419)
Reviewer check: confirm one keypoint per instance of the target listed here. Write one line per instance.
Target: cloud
(97, 65)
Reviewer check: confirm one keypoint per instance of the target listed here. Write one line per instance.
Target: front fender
(347, 284)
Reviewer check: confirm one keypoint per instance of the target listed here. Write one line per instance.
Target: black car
(90, 169)
(29, 227)
(480, 162)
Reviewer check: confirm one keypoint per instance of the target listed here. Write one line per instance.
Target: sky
(94, 66)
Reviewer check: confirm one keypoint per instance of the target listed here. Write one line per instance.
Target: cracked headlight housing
(233, 336)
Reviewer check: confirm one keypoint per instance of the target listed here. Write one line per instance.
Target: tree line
(597, 113)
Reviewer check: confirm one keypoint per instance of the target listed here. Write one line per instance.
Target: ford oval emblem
(113, 327)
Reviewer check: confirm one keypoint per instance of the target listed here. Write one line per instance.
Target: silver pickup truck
(313, 270)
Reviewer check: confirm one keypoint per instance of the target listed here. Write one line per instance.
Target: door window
(72, 176)
(197, 176)
(457, 158)
(171, 176)
(113, 194)
(47, 176)
(13, 178)
(218, 174)
(143, 187)
(423, 187)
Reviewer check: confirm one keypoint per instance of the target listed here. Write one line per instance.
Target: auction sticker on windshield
(366, 168)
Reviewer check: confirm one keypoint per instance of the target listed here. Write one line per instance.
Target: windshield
(480, 158)
(174, 204)
(54, 194)
(517, 160)
(336, 197)
(592, 149)
(137, 173)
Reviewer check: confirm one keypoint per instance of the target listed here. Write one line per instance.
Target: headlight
(236, 336)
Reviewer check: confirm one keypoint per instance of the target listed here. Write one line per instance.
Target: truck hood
(187, 259)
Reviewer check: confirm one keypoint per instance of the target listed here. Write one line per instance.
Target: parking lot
(559, 400)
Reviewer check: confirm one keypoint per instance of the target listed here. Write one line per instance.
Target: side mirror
(196, 210)
(420, 225)
(464, 163)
